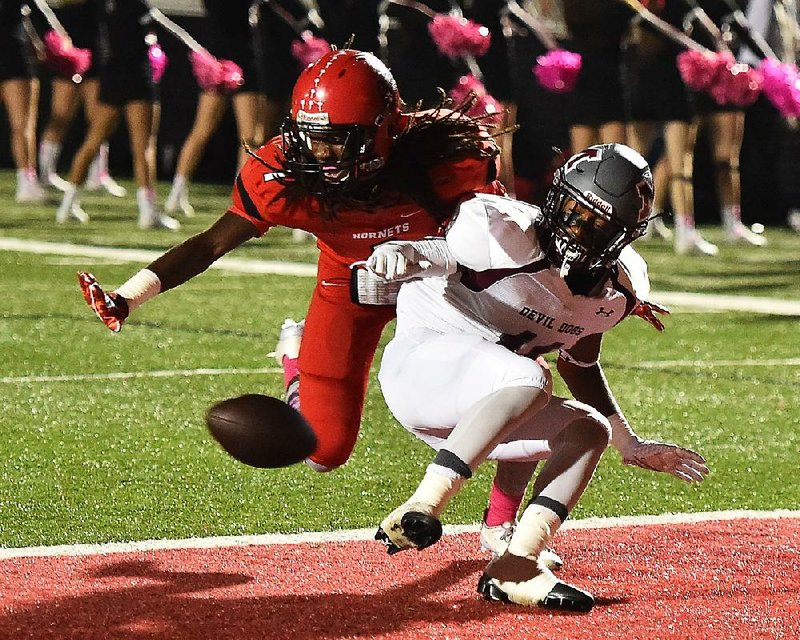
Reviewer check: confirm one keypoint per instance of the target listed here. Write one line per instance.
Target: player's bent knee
(594, 433)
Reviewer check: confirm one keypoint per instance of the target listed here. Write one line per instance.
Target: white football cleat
(518, 580)
(289, 340)
(410, 526)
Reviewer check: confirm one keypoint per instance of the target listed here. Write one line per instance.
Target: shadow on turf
(134, 599)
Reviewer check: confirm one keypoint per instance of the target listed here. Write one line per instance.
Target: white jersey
(505, 290)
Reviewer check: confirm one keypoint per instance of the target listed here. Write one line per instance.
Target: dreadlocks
(431, 137)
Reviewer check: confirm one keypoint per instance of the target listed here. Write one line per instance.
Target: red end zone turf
(730, 580)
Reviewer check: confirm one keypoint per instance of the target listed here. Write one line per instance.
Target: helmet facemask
(586, 231)
(329, 159)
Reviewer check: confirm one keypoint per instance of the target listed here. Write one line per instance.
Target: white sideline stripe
(728, 303)
(680, 299)
(147, 256)
(126, 375)
(710, 364)
(369, 534)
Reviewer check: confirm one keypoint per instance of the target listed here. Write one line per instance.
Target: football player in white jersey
(508, 283)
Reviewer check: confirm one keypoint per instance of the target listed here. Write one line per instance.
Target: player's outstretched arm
(581, 370)
(176, 266)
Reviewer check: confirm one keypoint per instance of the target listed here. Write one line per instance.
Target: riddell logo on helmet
(598, 202)
(320, 117)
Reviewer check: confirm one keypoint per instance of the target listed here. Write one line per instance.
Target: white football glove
(684, 464)
(400, 260)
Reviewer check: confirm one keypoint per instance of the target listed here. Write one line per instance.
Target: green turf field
(88, 457)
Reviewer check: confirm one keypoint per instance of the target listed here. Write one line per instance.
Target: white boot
(28, 187)
(49, 153)
(149, 216)
(179, 197)
(688, 241)
(735, 231)
(70, 207)
(657, 229)
(99, 177)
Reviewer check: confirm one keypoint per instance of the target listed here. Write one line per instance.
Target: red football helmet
(345, 110)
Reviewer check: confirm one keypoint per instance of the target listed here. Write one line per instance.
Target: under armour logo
(602, 312)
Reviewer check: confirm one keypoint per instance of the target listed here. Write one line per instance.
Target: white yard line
(368, 534)
(144, 256)
(182, 373)
(680, 299)
(125, 375)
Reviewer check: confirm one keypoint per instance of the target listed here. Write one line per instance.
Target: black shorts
(80, 21)
(121, 83)
(656, 92)
(598, 96)
(16, 62)
(280, 67)
(705, 105)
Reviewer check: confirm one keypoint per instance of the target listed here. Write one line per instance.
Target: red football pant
(336, 352)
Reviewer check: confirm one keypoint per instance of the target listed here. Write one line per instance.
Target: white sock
(731, 217)
(49, 153)
(67, 201)
(536, 528)
(178, 188)
(145, 198)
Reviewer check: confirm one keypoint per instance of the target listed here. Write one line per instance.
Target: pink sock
(502, 507)
(290, 370)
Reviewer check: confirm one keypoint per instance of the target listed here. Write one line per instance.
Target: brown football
(261, 431)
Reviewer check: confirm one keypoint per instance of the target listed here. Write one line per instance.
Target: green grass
(107, 460)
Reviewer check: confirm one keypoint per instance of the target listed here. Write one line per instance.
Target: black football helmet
(601, 200)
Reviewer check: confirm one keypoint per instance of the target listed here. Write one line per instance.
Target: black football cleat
(561, 596)
(416, 530)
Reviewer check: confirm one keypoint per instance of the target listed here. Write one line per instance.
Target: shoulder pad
(633, 273)
(494, 232)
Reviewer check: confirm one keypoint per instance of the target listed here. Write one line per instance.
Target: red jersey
(352, 234)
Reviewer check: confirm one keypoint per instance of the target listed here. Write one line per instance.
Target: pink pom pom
(232, 76)
(699, 70)
(309, 48)
(158, 61)
(781, 86)
(485, 104)
(215, 75)
(63, 58)
(737, 84)
(458, 37)
(558, 70)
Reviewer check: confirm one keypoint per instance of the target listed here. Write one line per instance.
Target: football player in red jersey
(354, 170)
